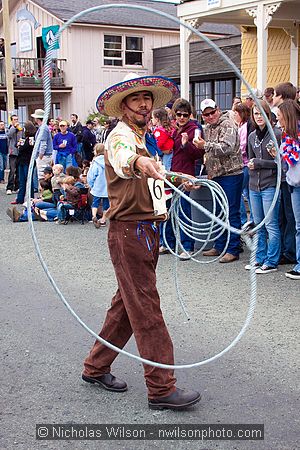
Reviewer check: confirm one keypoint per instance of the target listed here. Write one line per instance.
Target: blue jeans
(97, 201)
(232, 186)
(3, 162)
(268, 247)
(245, 195)
(62, 210)
(49, 208)
(23, 174)
(287, 223)
(44, 205)
(167, 160)
(64, 160)
(296, 208)
(80, 149)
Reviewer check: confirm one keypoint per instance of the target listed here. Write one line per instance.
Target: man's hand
(199, 142)
(149, 167)
(184, 138)
(190, 186)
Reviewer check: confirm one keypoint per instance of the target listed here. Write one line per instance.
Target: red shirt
(164, 140)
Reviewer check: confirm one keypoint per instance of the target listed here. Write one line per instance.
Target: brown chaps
(135, 308)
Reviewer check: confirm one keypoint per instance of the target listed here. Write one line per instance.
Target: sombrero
(163, 90)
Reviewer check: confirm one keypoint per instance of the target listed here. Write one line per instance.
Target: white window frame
(124, 50)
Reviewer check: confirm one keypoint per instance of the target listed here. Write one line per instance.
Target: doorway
(40, 54)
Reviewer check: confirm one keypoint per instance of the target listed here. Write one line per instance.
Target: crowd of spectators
(234, 148)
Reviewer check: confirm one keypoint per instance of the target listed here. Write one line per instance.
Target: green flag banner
(48, 35)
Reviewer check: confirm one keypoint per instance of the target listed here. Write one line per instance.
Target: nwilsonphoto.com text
(197, 432)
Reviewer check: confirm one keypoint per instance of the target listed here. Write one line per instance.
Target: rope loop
(205, 232)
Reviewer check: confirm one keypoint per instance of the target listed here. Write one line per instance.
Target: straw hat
(38, 114)
(163, 90)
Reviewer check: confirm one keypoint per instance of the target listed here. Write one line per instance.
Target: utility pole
(10, 104)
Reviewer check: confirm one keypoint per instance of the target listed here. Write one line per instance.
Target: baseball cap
(207, 103)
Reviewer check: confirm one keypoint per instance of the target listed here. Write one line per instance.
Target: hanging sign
(48, 35)
(25, 37)
(213, 4)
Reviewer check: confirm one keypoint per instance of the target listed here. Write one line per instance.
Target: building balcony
(28, 73)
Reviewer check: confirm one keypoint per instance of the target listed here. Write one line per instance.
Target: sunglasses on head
(185, 115)
(211, 113)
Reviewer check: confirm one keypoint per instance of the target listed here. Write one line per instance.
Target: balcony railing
(29, 72)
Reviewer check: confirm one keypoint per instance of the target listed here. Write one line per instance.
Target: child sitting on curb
(69, 201)
(58, 175)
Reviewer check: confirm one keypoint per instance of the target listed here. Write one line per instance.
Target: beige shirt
(128, 193)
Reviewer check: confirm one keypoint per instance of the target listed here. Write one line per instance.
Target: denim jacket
(45, 147)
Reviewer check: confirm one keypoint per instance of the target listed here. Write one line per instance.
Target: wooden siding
(279, 46)
(249, 57)
(42, 17)
(84, 69)
(82, 47)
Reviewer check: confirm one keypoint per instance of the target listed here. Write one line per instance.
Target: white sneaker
(8, 192)
(163, 250)
(266, 269)
(185, 255)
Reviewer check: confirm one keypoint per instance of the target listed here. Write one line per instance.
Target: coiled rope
(218, 197)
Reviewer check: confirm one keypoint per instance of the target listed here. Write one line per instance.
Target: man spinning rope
(137, 205)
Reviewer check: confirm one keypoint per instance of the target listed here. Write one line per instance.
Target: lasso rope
(217, 224)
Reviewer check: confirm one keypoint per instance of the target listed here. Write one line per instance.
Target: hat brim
(163, 90)
(37, 116)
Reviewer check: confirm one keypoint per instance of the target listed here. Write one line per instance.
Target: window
(55, 109)
(113, 50)
(237, 87)
(123, 50)
(223, 93)
(203, 90)
(134, 51)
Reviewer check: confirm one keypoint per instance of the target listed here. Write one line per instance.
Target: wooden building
(270, 37)
(96, 51)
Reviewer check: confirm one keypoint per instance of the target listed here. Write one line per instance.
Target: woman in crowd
(241, 117)
(25, 150)
(289, 120)
(262, 183)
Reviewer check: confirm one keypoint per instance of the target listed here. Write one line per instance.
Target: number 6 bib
(157, 191)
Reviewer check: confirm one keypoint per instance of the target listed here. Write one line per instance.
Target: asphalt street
(43, 347)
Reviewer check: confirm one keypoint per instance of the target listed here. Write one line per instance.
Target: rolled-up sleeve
(122, 155)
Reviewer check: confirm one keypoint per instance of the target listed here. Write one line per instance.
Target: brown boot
(179, 399)
(13, 213)
(211, 252)
(107, 381)
(228, 257)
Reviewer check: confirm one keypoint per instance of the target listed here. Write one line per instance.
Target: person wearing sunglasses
(185, 155)
(224, 165)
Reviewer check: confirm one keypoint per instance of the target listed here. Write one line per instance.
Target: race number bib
(157, 191)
